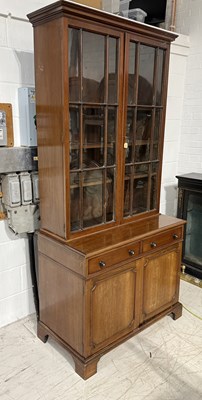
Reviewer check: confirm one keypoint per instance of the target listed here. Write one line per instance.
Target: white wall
(176, 82)
(16, 70)
(189, 14)
(16, 298)
(188, 113)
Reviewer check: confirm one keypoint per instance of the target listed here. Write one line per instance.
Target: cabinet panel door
(114, 311)
(161, 280)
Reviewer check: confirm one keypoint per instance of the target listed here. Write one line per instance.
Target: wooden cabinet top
(124, 234)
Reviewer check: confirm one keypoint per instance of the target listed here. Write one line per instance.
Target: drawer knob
(131, 252)
(102, 264)
(153, 244)
(175, 236)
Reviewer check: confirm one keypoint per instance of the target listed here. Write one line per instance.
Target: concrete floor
(162, 363)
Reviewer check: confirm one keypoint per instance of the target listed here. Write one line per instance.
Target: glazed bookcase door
(94, 59)
(143, 124)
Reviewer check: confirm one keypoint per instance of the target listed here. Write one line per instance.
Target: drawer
(165, 238)
(105, 260)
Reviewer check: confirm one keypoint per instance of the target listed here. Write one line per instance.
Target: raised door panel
(114, 311)
(161, 281)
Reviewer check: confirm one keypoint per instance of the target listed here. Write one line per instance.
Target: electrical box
(11, 190)
(27, 111)
(20, 198)
(23, 219)
(26, 188)
(35, 187)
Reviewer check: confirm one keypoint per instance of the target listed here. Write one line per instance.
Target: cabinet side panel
(49, 108)
(62, 254)
(61, 301)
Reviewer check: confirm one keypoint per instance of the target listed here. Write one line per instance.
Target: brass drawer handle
(131, 252)
(102, 264)
(153, 244)
(175, 236)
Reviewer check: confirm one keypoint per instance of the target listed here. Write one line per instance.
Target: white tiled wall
(16, 46)
(172, 144)
(16, 299)
(16, 69)
(189, 13)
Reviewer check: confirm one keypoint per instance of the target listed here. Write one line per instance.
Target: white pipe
(173, 15)
(9, 15)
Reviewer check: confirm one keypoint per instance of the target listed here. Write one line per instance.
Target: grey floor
(162, 363)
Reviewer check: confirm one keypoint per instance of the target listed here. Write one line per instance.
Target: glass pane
(143, 135)
(157, 124)
(128, 152)
(110, 195)
(153, 198)
(144, 120)
(140, 190)
(142, 153)
(127, 190)
(113, 78)
(92, 198)
(93, 135)
(146, 75)
(74, 61)
(130, 127)
(74, 201)
(193, 248)
(93, 67)
(74, 130)
(155, 152)
(111, 135)
(131, 72)
(141, 171)
(155, 167)
(155, 155)
(160, 77)
(130, 134)
(74, 157)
